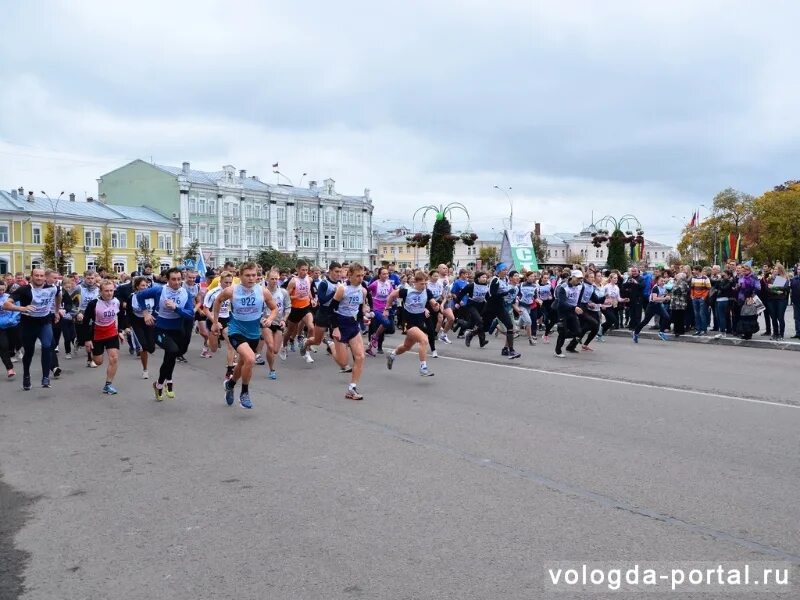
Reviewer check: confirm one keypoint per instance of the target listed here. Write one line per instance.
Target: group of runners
(259, 318)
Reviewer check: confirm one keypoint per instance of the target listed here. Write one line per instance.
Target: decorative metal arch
(625, 221)
(441, 211)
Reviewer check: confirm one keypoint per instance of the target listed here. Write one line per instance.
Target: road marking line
(665, 388)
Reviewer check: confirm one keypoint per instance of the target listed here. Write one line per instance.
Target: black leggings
(36, 329)
(172, 341)
(549, 316)
(590, 323)
(7, 343)
(431, 329)
(145, 334)
(493, 312)
(569, 326)
(475, 319)
(612, 319)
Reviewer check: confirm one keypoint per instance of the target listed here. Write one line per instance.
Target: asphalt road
(465, 485)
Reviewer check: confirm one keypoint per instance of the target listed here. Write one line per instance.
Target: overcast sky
(647, 108)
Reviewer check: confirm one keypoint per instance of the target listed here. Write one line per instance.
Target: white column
(220, 227)
(365, 241)
(321, 231)
(243, 227)
(339, 241)
(291, 244)
(184, 219)
(273, 224)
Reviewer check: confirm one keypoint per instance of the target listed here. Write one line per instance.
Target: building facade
(393, 248)
(562, 247)
(24, 219)
(234, 216)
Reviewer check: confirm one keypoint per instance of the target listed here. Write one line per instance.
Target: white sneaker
(434, 354)
(282, 354)
(308, 358)
(145, 375)
(91, 364)
(68, 355)
(443, 338)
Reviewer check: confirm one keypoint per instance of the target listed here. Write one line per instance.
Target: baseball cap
(577, 273)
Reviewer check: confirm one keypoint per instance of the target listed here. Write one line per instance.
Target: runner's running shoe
(109, 389)
(244, 400)
(229, 385)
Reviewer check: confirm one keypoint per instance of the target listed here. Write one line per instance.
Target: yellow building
(394, 248)
(24, 220)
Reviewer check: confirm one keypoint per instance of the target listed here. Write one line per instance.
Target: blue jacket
(186, 311)
(647, 279)
(794, 284)
(8, 318)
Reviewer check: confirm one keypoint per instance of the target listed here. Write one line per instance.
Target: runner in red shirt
(102, 334)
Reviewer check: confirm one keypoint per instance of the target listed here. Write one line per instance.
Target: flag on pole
(695, 219)
(201, 264)
(275, 166)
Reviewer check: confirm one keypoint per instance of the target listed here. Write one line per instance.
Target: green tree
(489, 256)
(192, 251)
(442, 247)
(145, 255)
(539, 247)
(104, 257)
(777, 228)
(270, 257)
(65, 241)
(617, 255)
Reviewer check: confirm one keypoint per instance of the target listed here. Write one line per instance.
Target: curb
(709, 340)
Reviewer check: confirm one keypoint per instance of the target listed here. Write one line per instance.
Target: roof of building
(13, 202)
(212, 178)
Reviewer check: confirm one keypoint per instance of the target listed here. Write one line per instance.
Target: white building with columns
(234, 216)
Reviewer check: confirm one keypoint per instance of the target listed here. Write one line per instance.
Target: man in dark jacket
(633, 290)
(794, 294)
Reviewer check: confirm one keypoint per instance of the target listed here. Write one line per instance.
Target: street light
(54, 208)
(510, 203)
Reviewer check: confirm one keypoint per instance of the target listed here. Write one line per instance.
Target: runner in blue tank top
(348, 300)
(244, 327)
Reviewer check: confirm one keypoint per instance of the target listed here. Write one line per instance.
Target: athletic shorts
(348, 329)
(100, 346)
(236, 340)
(297, 314)
(198, 316)
(323, 318)
(415, 320)
(223, 321)
(276, 328)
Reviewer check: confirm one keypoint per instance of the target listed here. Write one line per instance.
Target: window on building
(359, 217)
(88, 238)
(141, 235)
(330, 242)
(265, 237)
(37, 234)
(164, 241)
(119, 267)
(248, 211)
(202, 206)
(192, 205)
(330, 216)
(212, 234)
(235, 239)
(227, 236)
(91, 264)
(98, 238)
(203, 234)
(313, 215)
(4, 233)
(252, 238)
(212, 206)
(257, 210)
(119, 239)
(3, 266)
(281, 239)
(281, 213)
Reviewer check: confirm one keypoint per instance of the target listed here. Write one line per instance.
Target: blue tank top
(528, 293)
(415, 302)
(42, 299)
(246, 310)
(179, 297)
(545, 292)
(479, 292)
(351, 301)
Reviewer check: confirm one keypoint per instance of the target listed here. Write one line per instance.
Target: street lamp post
(54, 208)
(510, 203)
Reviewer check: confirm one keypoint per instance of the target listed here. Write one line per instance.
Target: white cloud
(583, 107)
